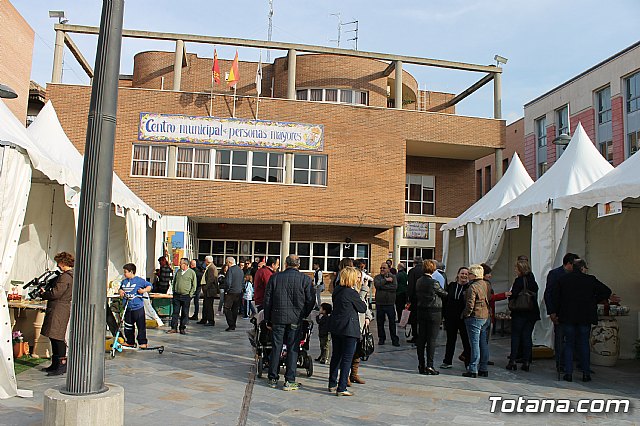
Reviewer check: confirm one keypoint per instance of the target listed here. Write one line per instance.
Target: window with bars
(604, 105)
(310, 169)
(633, 92)
(407, 254)
(193, 163)
(420, 195)
(541, 131)
(562, 121)
(267, 167)
(231, 165)
(347, 96)
(149, 160)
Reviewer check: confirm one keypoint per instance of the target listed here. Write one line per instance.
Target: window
(328, 255)
(478, 184)
(487, 179)
(231, 165)
(267, 167)
(541, 131)
(633, 139)
(633, 93)
(407, 254)
(193, 163)
(149, 160)
(542, 168)
(562, 121)
(505, 165)
(347, 96)
(420, 195)
(606, 149)
(604, 105)
(310, 169)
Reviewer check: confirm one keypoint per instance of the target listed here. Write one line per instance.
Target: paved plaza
(206, 377)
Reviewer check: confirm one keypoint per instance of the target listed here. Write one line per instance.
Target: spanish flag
(216, 68)
(234, 76)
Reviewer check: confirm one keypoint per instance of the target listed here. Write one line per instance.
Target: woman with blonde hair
(364, 319)
(523, 320)
(345, 329)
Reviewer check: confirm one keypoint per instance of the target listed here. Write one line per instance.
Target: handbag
(404, 319)
(524, 301)
(366, 346)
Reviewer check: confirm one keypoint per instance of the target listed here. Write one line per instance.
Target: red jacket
(260, 284)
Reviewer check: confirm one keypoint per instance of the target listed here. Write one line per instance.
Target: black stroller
(261, 340)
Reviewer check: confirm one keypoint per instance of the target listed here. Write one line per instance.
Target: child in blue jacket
(133, 286)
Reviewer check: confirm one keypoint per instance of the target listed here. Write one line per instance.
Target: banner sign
(230, 132)
(608, 209)
(513, 222)
(460, 231)
(416, 230)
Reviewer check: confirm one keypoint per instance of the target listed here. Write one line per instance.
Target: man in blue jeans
(477, 319)
(386, 285)
(576, 297)
(288, 299)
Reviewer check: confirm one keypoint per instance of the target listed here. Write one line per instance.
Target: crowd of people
(465, 307)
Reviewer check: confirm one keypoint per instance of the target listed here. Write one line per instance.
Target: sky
(546, 42)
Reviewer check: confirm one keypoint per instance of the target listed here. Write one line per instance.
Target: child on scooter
(132, 287)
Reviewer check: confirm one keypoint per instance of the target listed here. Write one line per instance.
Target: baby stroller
(260, 339)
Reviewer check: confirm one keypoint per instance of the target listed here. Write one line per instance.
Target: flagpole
(257, 106)
(234, 100)
(211, 97)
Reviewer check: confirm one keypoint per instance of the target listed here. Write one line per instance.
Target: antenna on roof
(270, 28)
(339, 16)
(354, 30)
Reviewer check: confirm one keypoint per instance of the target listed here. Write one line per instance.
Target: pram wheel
(260, 366)
(160, 349)
(309, 366)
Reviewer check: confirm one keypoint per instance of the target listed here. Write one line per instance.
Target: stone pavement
(206, 378)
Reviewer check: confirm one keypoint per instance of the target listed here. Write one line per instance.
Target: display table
(604, 341)
(503, 317)
(27, 316)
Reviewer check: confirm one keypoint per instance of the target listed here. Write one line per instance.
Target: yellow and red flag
(234, 76)
(216, 68)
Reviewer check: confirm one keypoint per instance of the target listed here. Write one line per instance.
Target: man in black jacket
(289, 299)
(233, 293)
(576, 296)
(414, 274)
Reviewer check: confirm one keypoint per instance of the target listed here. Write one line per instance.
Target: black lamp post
(85, 374)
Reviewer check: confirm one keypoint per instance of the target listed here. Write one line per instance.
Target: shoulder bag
(524, 301)
(366, 346)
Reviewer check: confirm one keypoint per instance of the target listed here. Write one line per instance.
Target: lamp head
(7, 92)
(562, 140)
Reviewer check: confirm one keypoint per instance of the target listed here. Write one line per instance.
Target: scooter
(119, 347)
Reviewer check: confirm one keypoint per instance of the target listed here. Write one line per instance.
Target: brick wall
(588, 120)
(529, 159)
(16, 51)
(617, 127)
(515, 142)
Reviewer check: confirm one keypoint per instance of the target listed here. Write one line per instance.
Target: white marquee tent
(40, 178)
(471, 248)
(611, 243)
(543, 236)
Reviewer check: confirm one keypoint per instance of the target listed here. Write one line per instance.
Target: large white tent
(40, 178)
(611, 243)
(544, 236)
(473, 247)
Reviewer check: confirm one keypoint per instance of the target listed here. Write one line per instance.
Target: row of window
(226, 164)
(327, 255)
(345, 96)
(420, 195)
(603, 105)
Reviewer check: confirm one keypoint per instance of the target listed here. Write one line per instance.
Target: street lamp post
(86, 352)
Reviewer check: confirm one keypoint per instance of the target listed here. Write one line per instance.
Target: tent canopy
(48, 137)
(515, 181)
(579, 166)
(620, 183)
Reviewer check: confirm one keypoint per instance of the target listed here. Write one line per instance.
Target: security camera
(500, 59)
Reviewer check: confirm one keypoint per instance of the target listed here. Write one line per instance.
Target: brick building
(380, 183)
(486, 166)
(605, 99)
(16, 51)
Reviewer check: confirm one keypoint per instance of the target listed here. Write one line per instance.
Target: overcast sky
(546, 41)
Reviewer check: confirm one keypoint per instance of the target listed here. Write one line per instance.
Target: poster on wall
(230, 132)
(416, 230)
(608, 209)
(175, 243)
